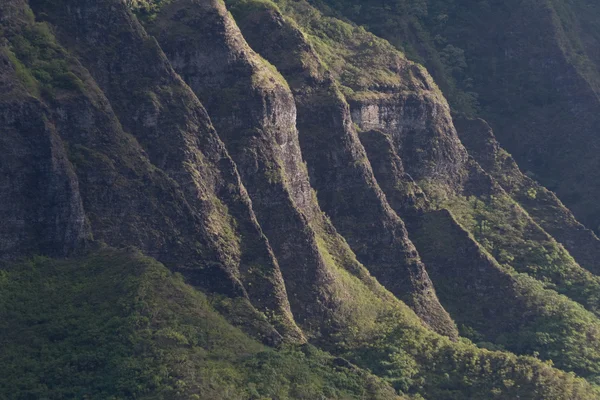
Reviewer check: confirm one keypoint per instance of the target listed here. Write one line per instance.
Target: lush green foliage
(359, 60)
(426, 30)
(506, 232)
(440, 370)
(118, 325)
(147, 9)
(567, 324)
(40, 62)
(416, 28)
(557, 328)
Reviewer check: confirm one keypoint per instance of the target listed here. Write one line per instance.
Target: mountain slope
(311, 186)
(116, 324)
(530, 68)
(254, 112)
(484, 297)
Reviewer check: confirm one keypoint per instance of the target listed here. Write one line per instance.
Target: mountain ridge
(304, 176)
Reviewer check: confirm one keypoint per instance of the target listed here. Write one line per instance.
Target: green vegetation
(147, 10)
(416, 361)
(385, 337)
(556, 327)
(515, 241)
(440, 370)
(569, 17)
(498, 308)
(117, 325)
(426, 30)
(416, 28)
(23, 74)
(358, 59)
(40, 62)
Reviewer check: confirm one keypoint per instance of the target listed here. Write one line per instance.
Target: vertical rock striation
(339, 170)
(40, 204)
(173, 150)
(255, 115)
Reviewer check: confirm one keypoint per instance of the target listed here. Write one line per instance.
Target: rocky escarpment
(538, 95)
(530, 68)
(480, 204)
(339, 170)
(460, 267)
(402, 192)
(40, 203)
(397, 120)
(171, 150)
(420, 126)
(157, 126)
(255, 115)
(465, 273)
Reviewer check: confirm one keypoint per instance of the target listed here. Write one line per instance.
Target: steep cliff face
(40, 201)
(464, 273)
(196, 193)
(420, 126)
(543, 205)
(496, 224)
(537, 93)
(530, 68)
(339, 170)
(530, 249)
(402, 192)
(240, 89)
(255, 115)
(309, 183)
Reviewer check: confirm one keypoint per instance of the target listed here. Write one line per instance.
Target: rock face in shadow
(540, 95)
(40, 201)
(455, 261)
(142, 130)
(298, 176)
(254, 113)
(420, 126)
(340, 172)
(529, 68)
(486, 299)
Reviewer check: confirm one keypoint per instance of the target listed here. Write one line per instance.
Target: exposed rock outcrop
(255, 115)
(420, 126)
(40, 201)
(173, 151)
(322, 196)
(339, 170)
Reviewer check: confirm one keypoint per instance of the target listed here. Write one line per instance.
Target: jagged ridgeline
(259, 199)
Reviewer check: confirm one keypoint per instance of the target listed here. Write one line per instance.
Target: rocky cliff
(209, 175)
